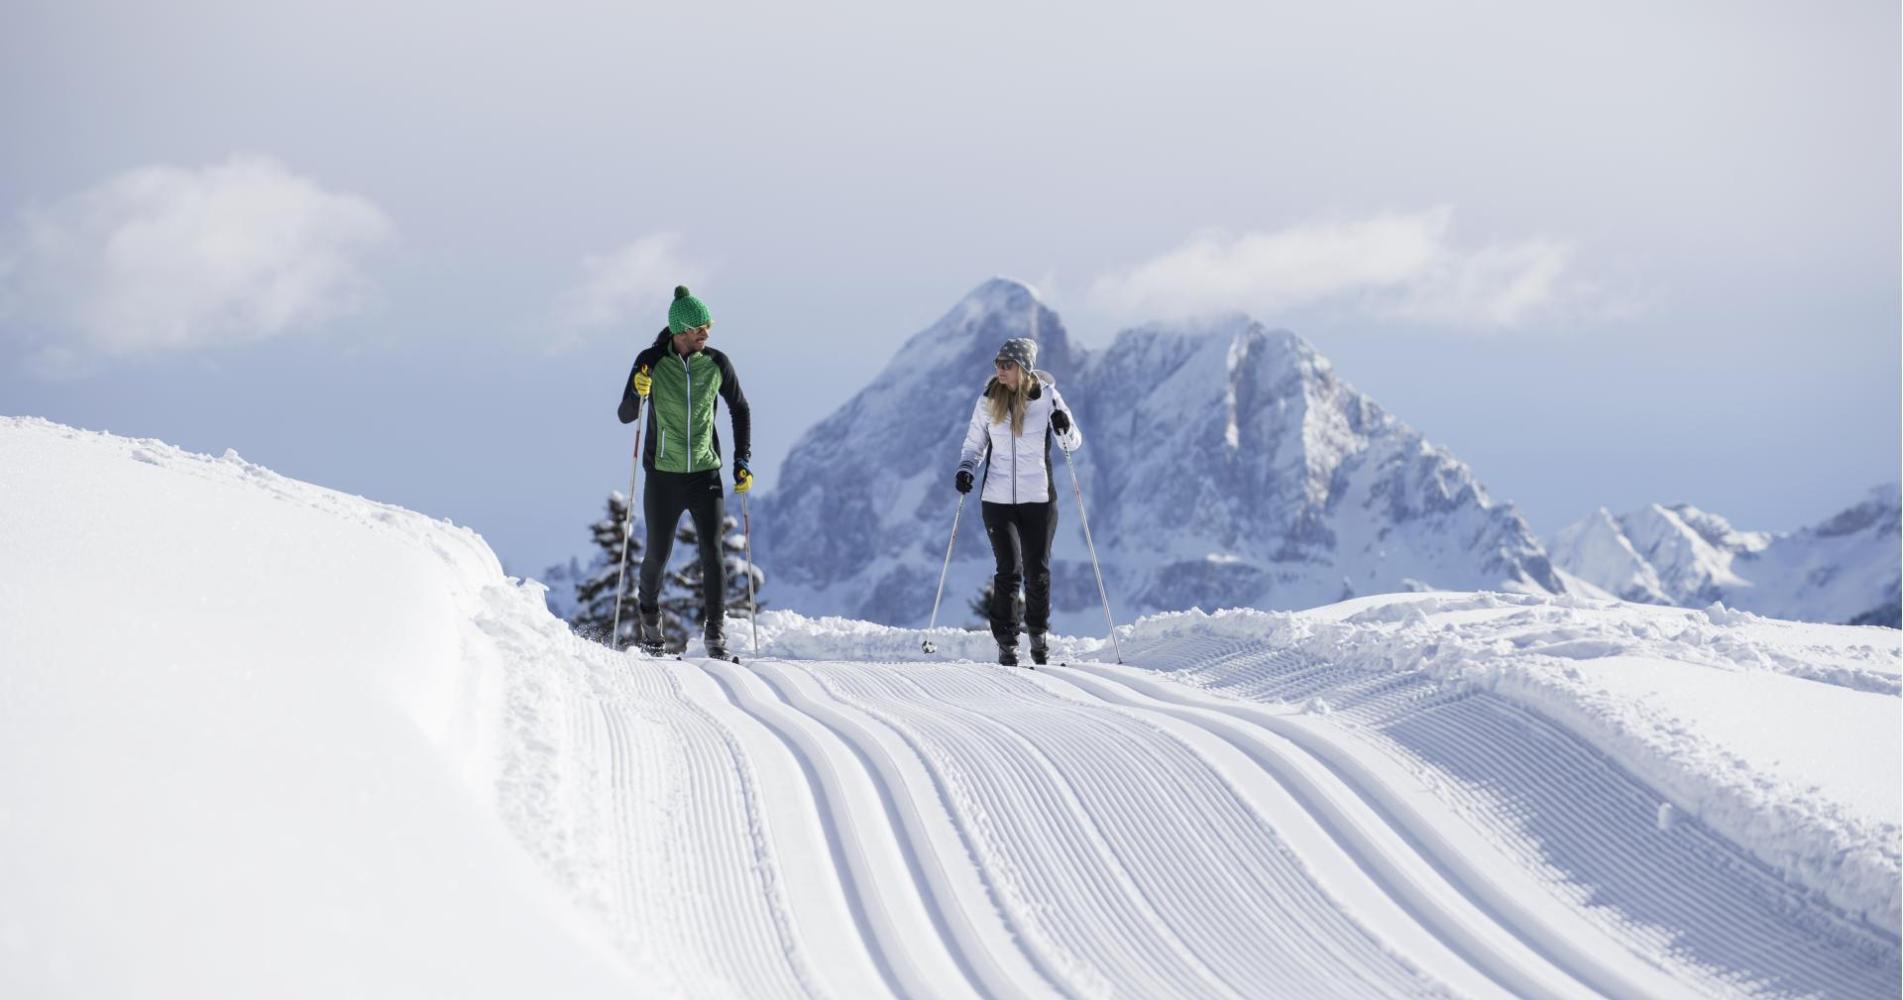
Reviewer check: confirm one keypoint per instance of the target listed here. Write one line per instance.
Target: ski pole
(627, 532)
(753, 609)
(1101, 592)
(927, 644)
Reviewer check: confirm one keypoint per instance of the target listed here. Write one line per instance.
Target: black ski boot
(1007, 655)
(651, 639)
(1040, 653)
(714, 636)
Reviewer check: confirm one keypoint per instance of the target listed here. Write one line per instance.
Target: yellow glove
(642, 383)
(742, 479)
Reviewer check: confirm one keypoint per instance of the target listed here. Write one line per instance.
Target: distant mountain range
(1226, 465)
(1846, 569)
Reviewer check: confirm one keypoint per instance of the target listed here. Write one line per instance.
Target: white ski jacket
(1022, 461)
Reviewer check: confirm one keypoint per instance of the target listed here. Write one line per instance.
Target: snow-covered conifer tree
(595, 590)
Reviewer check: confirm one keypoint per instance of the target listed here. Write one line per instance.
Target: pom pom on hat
(687, 312)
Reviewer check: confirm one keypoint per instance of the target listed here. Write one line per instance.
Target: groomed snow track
(851, 829)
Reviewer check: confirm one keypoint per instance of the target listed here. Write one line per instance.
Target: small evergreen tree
(595, 590)
(680, 598)
(981, 605)
(681, 602)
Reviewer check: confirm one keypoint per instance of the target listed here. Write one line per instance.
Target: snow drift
(244, 734)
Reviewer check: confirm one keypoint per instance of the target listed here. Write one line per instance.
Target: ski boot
(714, 637)
(651, 639)
(1007, 655)
(1040, 652)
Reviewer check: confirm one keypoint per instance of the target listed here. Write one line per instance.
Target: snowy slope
(1847, 568)
(330, 746)
(238, 727)
(1224, 465)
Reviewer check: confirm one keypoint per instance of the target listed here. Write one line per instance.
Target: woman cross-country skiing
(1012, 427)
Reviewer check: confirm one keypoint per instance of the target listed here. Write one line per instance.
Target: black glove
(963, 482)
(1060, 421)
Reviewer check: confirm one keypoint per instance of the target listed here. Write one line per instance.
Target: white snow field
(259, 738)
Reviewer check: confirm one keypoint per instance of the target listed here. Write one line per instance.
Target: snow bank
(242, 732)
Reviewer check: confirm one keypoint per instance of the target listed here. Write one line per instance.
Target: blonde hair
(1005, 400)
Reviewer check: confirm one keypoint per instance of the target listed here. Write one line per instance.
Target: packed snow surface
(262, 738)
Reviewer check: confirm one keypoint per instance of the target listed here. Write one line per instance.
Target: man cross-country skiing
(681, 378)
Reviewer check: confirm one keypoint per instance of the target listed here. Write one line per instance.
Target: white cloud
(631, 285)
(1397, 266)
(165, 258)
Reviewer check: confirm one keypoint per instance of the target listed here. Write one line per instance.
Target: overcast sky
(1608, 253)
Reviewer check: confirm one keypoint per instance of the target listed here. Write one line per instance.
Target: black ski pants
(701, 496)
(1020, 536)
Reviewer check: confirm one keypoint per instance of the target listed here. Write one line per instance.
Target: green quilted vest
(683, 400)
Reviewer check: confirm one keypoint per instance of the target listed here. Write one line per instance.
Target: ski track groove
(778, 949)
(1007, 969)
(1058, 804)
(1451, 934)
(1410, 871)
(744, 931)
(1724, 920)
(1021, 886)
(1109, 886)
(1323, 959)
(1015, 883)
(1287, 882)
(865, 890)
(634, 770)
(1222, 779)
(1737, 903)
(632, 907)
(626, 900)
(1737, 899)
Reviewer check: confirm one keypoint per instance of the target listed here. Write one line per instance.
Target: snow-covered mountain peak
(998, 308)
(1844, 569)
(967, 337)
(1001, 294)
(1717, 531)
(1598, 550)
(1231, 340)
(1226, 462)
(1880, 510)
(1687, 547)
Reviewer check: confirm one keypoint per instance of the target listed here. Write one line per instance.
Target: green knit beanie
(687, 312)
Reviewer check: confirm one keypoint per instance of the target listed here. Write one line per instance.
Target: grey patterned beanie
(1022, 350)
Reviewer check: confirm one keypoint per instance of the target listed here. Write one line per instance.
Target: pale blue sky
(1607, 253)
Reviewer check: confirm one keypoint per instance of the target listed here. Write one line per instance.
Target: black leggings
(700, 495)
(1020, 536)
